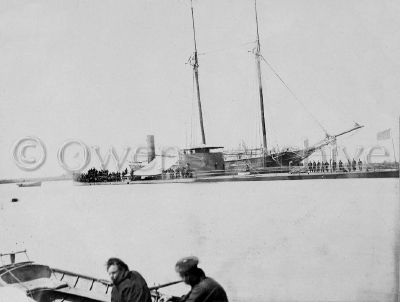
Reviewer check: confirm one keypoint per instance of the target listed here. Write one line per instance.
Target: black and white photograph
(199, 151)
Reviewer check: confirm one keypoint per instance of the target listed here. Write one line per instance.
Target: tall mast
(196, 75)
(260, 89)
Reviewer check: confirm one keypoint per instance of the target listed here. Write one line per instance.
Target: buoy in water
(14, 200)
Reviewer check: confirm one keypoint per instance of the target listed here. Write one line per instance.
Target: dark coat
(132, 288)
(207, 290)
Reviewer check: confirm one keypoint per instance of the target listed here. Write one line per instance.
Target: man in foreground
(203, 288)
(128, 286)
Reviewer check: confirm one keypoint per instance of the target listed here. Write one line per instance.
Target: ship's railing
(82, 281)
(12, 256)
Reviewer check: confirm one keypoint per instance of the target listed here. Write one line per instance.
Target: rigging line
(292, 93)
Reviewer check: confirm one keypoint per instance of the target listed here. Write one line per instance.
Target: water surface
(310, 240)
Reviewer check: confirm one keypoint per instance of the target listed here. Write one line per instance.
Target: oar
(164, 285)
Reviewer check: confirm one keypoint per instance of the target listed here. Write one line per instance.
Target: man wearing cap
(203, 288)
(128, 286)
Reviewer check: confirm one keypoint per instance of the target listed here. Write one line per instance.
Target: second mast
(260, 88)
(196, 75)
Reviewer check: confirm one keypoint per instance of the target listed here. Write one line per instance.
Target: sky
(109, 73)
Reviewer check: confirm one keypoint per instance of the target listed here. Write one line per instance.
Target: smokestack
(151, 151)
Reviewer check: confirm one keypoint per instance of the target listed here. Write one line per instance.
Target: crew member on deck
(359, 164)
(203, 288)
(334, 166)
(354, 164)
(340, 165)
(188, 170)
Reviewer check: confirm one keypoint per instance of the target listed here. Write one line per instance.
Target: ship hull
(279, 174)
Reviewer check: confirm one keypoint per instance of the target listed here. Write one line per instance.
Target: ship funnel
(151, 151)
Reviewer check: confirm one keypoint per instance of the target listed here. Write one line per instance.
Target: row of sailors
(333, 166)
(178, 172)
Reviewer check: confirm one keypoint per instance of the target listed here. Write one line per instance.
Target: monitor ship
(205, 160)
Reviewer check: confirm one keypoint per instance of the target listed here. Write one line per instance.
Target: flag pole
(394, 151)
(397, 247)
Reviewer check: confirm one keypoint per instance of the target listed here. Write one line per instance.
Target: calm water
(263, 241)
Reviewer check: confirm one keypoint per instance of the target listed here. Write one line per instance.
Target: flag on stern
(385, 134)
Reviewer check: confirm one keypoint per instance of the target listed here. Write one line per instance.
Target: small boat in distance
(14, 199)
(30, 184)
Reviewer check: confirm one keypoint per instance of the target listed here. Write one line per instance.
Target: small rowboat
(30, 184)
(46, 284)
